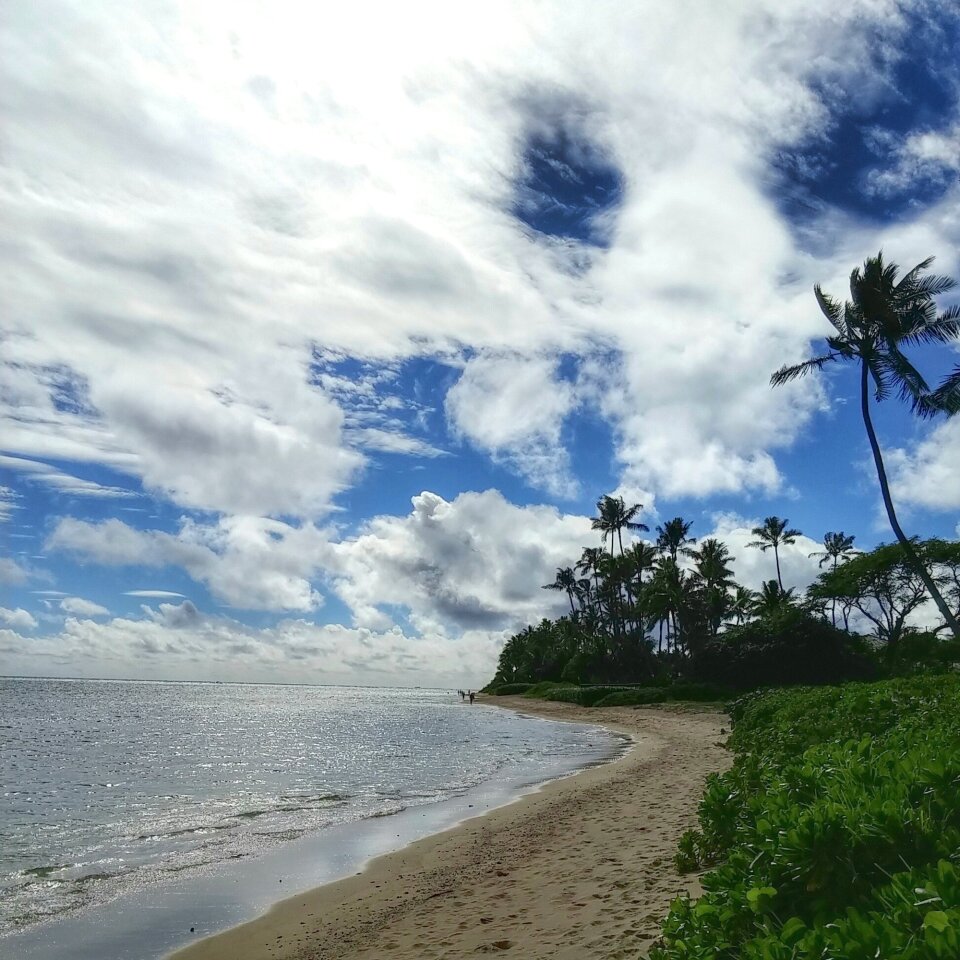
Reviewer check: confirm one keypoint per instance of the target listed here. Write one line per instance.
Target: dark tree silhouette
(614, 516)
(673, 539)
(565, 579)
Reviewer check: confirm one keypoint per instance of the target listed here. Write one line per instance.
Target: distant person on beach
(471, 695)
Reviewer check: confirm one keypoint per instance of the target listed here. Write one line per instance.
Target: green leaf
(792, 931)
(936, 920)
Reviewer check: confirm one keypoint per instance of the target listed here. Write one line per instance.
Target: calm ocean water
(106, 786)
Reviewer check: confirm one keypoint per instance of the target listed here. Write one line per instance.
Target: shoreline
(580, 867)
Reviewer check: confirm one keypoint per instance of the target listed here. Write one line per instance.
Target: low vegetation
(836, 832)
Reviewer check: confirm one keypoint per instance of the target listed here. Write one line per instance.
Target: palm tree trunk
(776, 556)
(918, 566)
(833, 606)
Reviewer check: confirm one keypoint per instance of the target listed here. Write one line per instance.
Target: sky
(326, 326)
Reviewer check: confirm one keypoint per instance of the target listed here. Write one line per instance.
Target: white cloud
(80, 607)
(178, 641)
(923, 156)
(8, 502)
(59, 480)
(13, 573)
(513, 408)
(928, 473)
(250, 563)
(203, 204)
(473, 563)
(18, 619)
(153, 594)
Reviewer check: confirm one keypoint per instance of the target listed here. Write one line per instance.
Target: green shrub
(835, 832)
(584, 696)
(591, 696)
(509, 689)
(638, 696)
(563, 695)
(789, 648)
(541, 689)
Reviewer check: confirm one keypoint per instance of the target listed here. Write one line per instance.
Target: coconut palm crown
(773, 534)
(614, 516)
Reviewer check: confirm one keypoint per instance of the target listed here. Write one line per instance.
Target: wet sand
(583, 868)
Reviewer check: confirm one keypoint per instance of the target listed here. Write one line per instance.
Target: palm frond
(946, 398)
(906, 376)
(881, 375)
(925, 287)
(787, 373)
(912, 274)
(831, 309)
(943, 329)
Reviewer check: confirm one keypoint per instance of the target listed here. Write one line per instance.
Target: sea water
(112, 791)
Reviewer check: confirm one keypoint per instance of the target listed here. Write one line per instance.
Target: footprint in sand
(496, 945)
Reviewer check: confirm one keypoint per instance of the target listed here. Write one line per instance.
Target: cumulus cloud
(930, 156)
(13, 573)
(928, 473)
(250, 563)
(474, 563)
(179, 641)
(80, 607)
(18, 619)
(513, 408)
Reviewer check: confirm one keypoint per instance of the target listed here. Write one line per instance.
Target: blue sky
(322, 341)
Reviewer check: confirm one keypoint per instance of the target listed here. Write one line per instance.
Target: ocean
(116, 794)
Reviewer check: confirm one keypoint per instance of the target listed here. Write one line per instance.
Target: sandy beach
(582, 868)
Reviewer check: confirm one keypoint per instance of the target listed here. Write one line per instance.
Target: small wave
(317, 798)
(93, 877)
(44, 872)
(183, 832)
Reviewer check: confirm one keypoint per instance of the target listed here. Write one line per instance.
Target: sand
(583, 868)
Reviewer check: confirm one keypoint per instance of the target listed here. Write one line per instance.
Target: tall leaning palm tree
(772, 535)
(882, 316)
(614, 516)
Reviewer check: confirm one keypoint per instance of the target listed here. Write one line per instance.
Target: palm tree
(665, 595)
(771, 599)
(881, 317)
(615, 517)
(836, 547)
(712, 565)
(742, 604)
(565, 579)
(589, 563)
(773, 534)
(672, 538)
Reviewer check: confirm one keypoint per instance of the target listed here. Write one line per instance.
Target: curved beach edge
(582, 867)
